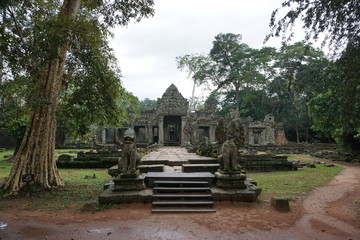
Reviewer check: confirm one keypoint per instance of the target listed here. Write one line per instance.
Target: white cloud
(146, 51)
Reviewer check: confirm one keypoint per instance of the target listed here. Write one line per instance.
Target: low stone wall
(265, 163)
(294, 148)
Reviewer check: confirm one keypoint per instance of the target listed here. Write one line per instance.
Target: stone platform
(173, 172)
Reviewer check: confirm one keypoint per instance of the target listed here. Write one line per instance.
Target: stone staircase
(182, 192)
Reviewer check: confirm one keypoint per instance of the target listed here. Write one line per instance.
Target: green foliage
(147, 104)
(231, 66)
(335, 110)
(334, 107)
(296, 67)
(30, 32)
(338, 20)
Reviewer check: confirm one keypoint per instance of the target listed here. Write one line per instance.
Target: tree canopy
(60, 51)
(231, 66)
(339, 20)
(334, 108)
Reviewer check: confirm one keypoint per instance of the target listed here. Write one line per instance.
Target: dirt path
(327, 213)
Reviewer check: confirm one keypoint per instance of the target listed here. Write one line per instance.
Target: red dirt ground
(327, 213)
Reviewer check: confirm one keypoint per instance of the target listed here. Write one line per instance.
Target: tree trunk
(297, 135)
(192, 99)
(36, 153)
(237, 90)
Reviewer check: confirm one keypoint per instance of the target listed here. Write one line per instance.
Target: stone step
(154, 161)
(176, 162)
(181, 183)
(151, 168)
(177, 189)
(183, 210)
(178, 176)
(181, 195)
(200, 167)
(182, 203)
(202, 161)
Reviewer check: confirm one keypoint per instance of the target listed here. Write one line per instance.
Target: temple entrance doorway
(172, 133)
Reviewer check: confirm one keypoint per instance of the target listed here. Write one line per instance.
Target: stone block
(151, 168)
(200, 167)
(249, 194)
(124, 183)
(111, 196)
(145, 195)
(230, 181)
(66, 157)
(280, 203)
(90, 206)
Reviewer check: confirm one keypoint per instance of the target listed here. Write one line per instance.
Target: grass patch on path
(294, 184)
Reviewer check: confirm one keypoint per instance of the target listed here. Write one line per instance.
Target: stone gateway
(171, 125)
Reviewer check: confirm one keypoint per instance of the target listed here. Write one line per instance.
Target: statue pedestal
(228, 180)
(129, 182)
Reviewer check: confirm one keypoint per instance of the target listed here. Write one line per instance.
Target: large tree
(231, 66)
(337, 20)
(192, 63)
(290, 88)
(335, 109)
(38, 40)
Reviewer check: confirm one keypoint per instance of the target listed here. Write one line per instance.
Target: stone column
(161, 130)
(182, 134)
(150, 133)
(251, 136)
(103, 136)
(146, 132)
(212, 133)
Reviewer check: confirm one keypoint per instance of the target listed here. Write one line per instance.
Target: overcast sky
(146, 51)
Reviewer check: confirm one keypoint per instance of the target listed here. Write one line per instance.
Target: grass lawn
(78, 190)
(294, 184)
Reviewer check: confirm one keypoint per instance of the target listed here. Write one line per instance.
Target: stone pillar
(182, 134)
(212, 133)
(161, 130)
(103, 136)
(251, 136)
(150, 134)
(270, 135)
(146, 132)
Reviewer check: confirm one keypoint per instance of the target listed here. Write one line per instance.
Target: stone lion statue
(129, 153)
(229, 158)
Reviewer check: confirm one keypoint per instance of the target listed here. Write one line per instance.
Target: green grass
(5, 167)
(78, 190)
(293, 184)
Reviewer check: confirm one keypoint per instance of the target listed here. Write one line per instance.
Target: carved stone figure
(205, 147)
(235, 132)
(229, 159)
(128, 156)
(189, 129)
(220, 132)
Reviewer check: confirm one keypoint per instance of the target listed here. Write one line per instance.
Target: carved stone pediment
(172, 103)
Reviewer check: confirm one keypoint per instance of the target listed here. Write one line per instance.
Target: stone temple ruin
(171, 125)
(175, 180)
